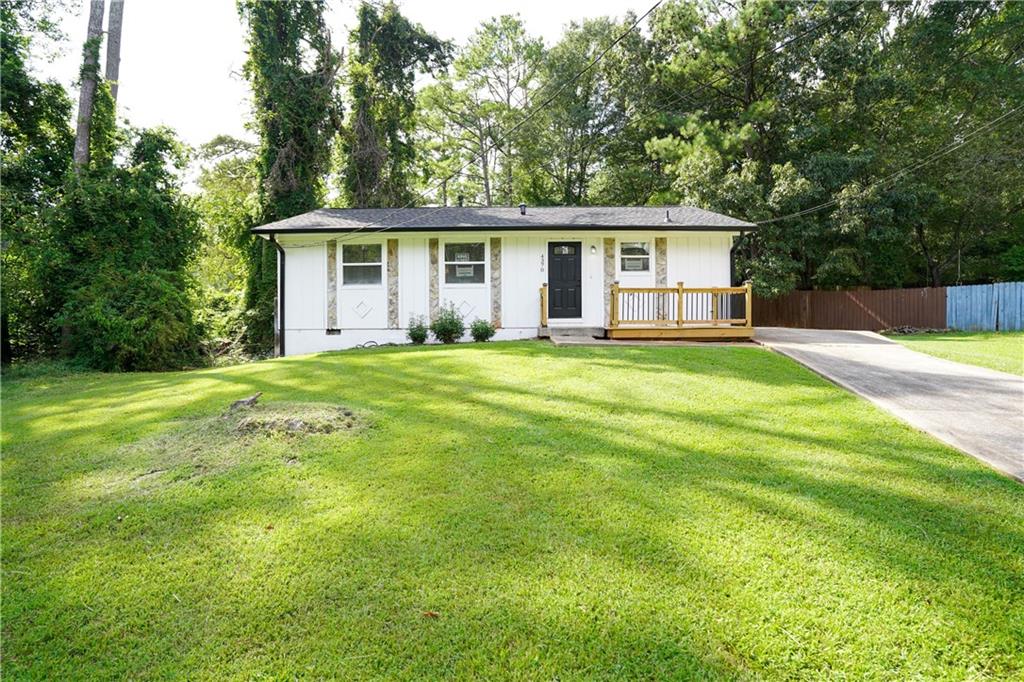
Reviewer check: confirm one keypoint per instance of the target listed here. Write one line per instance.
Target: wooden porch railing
(679, 306)
(544, 305)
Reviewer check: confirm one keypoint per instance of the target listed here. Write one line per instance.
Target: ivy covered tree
(292, 70)
(378, 150)
(122, 238)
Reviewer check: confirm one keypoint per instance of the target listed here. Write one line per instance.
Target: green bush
(131, 321)
(417, 329)
(481, 330)
(448, 326)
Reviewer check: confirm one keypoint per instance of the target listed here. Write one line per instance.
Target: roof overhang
(661, 227)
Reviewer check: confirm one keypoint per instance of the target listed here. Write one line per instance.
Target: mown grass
(502, 511)
(996, 350)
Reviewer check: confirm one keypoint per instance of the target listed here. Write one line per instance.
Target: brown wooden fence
(871, 310)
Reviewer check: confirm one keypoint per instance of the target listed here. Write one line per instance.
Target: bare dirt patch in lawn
(202, 446)
(293, 419)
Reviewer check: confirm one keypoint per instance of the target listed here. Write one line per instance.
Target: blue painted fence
(986, 307)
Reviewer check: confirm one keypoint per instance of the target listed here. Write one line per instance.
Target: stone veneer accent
(434, 294)
(496, 281)
(661, 261)
(609, 277)
(393, 284)
(332, 284)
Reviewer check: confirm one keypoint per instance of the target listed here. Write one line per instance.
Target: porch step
(573, 332)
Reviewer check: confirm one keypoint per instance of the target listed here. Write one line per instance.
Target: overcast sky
(181, 60)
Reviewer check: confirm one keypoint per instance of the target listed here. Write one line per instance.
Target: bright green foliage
(448, 325)
(828, 119)
(36, 144)
(576, 128)
(481, 330)
(454, 137)
(93, 261)
(378, 153)
(476, 113)
(760, 109)
(996, 350)
(227, 204)
(129, 320)
(418, 330)
(567, 513)
(121, 240)
(292, 70)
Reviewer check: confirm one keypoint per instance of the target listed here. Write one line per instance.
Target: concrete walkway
(977, 410)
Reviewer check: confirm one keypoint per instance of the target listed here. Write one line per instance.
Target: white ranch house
(352, 276)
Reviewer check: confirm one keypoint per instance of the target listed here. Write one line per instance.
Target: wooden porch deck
(675, 313)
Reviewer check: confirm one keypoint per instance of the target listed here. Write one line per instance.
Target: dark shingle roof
(504, 218)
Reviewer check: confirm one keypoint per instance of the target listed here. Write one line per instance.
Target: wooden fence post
(614, 321)
(680, 308)
(749, 296)
(544, 305)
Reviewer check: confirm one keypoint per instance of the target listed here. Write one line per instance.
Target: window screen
(464, 263)
(635, 257)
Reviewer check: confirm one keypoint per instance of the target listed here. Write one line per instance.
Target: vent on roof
(668, 218)
(522, 209)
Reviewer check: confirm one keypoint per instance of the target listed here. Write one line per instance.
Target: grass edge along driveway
(507, 510)
(1003, 351)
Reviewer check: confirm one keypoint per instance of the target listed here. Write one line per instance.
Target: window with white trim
(635, 256)
(362, 264)
(464, 263)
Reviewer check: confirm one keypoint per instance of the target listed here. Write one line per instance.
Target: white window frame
(341, 265)
(644, 271)
(443, 270)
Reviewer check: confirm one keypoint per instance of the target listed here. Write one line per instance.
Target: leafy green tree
(455, 132)
(122, 238)
(292, 70)
(227, 202)
(737, 117)
(578, 124)
(954, 67)
(378, 150)
(628, 175)
(499, 70)
(36, 143)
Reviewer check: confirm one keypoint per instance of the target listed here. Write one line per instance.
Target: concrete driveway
(978, 410)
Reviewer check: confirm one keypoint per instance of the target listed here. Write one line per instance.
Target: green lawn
(501, 511)
(996, 350)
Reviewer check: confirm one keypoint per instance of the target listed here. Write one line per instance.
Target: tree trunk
(90, 67)
(113, 65)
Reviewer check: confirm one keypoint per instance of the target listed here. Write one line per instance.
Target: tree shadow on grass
(528, 493)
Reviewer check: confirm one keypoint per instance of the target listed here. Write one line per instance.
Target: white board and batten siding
(698, 259)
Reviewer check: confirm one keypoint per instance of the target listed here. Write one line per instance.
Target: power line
(906, 169)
